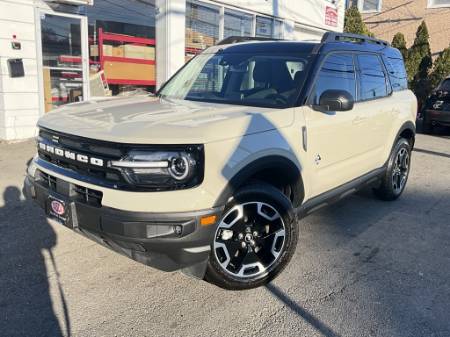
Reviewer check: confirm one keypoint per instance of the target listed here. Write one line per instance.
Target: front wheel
(394, 180)
(255, 239)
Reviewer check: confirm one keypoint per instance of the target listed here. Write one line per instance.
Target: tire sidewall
(270, 195)
(401, 144)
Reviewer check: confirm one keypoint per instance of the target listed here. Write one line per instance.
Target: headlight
(162, 170)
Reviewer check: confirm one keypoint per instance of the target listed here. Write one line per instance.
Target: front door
(336, 140)
(64, 58)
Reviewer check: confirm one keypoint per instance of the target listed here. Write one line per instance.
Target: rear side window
(372, 79)
(397, 73)
(337, 73)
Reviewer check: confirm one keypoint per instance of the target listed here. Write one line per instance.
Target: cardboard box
(139, 52)
(107, 50)
(93, 50)
(118, 51)
(47, 90)
(129, 71)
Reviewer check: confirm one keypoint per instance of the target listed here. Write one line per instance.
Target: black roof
(330, 42)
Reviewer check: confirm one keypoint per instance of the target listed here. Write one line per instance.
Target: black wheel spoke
(245, 239)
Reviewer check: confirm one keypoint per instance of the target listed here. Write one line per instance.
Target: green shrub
(441, 68)
(399, 42)
(418, 64)
(353, 22)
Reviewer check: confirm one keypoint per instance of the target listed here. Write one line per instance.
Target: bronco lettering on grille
(71, 155)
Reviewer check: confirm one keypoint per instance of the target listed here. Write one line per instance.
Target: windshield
(244, 79)
(445, 86)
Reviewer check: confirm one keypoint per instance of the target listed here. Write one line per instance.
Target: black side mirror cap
(335, 100)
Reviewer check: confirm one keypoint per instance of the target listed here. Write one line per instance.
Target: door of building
(64, 58)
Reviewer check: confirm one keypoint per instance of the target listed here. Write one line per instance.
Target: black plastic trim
(126, 232)
(285, 165)
(338, 193)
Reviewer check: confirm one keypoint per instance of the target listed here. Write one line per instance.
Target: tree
(418, 51)
(399, 42)
(441, 68)
(418, 64)
(353, 22)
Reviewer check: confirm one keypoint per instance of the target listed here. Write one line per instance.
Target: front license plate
(59, 210)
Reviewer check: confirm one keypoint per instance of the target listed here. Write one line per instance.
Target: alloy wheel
(400, 170)
(249, 239)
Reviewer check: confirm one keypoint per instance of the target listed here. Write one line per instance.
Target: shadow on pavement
(303, 313)
(25, 304)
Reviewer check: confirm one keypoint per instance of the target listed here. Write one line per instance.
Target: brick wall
(405, 16)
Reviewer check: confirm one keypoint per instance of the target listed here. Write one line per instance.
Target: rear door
(376, 107)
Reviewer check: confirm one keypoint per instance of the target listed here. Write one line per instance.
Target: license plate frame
(59, 210)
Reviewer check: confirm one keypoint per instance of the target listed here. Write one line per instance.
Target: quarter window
(397, 73)
(372, 79)
(337, 73)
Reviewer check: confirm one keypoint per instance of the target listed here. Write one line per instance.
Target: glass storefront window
(278, 29)
(237, 23)
(127, 62)
(61, 60)
(202, 27)
(264, 26)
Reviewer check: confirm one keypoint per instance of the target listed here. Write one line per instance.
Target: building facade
(54, 52)
(385, 18)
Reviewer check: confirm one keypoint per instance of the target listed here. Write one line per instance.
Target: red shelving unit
(124, 39)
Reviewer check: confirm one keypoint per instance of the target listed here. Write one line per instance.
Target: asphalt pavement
(363, 267)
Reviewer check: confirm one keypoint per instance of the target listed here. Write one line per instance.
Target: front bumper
(438, 116)
(166, 241)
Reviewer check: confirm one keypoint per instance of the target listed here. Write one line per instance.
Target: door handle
(359, 120)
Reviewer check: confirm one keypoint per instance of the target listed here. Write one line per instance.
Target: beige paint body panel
(349, 143)
(149, 120)
(234, 136)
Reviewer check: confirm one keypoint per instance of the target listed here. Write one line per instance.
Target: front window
(246, 79)
(337, 73)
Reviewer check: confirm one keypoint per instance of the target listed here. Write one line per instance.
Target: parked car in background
(437, 107)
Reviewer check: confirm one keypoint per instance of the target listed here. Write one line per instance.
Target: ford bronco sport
(212, 174)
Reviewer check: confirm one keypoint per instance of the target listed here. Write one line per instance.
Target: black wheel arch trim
(286, 166)
(406, 126)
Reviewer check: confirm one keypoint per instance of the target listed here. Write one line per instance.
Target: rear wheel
(255, 239)
(394, 180)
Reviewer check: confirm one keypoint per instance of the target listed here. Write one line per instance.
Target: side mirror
(335, 100)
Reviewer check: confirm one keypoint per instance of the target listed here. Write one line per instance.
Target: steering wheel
(278, 98)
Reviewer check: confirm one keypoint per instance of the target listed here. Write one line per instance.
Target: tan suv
(211, 175)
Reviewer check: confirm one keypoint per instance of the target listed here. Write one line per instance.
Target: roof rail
(239, 39)
(333, 37)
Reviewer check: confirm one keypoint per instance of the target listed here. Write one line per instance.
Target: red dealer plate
(58, 209)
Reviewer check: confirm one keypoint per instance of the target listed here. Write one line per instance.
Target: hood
(151, 120)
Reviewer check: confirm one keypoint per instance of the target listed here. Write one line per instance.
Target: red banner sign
(331, 16)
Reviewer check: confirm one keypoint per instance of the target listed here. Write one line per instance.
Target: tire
(395, 178)
(255, 239)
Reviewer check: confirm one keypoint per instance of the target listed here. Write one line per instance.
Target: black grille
(71, 191)
(88, 196)
(83, 146)
(48, 181)
(95, 173)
